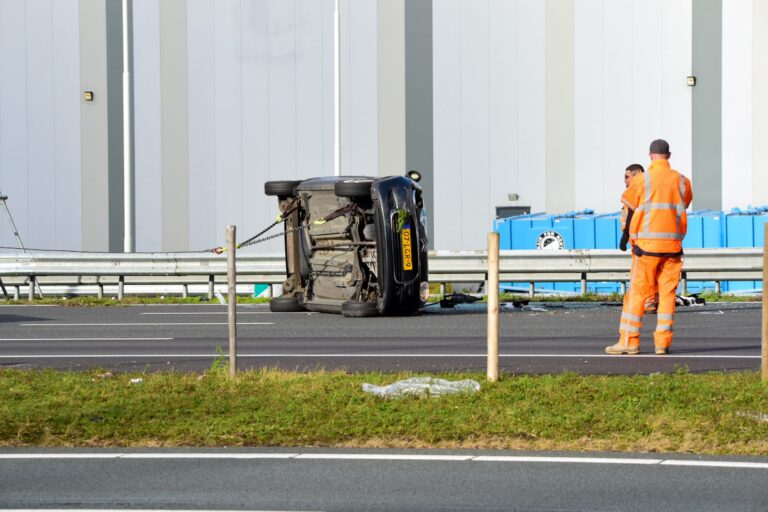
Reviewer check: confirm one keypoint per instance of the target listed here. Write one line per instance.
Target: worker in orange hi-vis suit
(656, 224)
(630, 172)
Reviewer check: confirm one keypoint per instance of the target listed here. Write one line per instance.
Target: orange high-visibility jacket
(658, 199)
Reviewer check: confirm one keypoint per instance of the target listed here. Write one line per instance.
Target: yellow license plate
(405, 239)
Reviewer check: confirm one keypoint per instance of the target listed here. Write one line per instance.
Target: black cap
(660, 147)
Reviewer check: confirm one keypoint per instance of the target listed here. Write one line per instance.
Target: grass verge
(716, 413)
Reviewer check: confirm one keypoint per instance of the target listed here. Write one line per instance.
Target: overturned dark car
(354, 245)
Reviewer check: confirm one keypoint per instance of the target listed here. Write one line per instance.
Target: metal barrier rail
(444, 267)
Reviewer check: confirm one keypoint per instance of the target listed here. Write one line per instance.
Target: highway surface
(378, 480)
(537, 338)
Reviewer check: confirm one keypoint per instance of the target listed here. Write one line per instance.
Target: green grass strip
(715, 413)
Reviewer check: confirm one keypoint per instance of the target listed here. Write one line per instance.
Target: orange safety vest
(658, 198)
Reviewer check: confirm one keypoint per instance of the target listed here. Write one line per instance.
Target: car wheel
(352, 309)
(281, 188)
(353, 188)
(285, 305)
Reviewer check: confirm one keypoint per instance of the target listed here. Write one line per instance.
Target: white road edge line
(352, 356)
(391, 457)
(143, 324)
(85, 339)
(204, 313)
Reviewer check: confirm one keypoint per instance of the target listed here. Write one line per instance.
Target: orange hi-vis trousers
(648, 272)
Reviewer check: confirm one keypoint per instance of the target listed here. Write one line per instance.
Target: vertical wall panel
(447, 33)
(39, 123)
(648, 51)
(203, 225)
(390, 87)
(677, 62)
(282, 90)
(227, 71)
(310, 124)
(607, 181)
(707, 105)
(40, 131)
(148, 140)
(256, 134)
(589, 96)
(759, 103)
(503, 96)
(13, 118)
(737, 103)
(489, 114)
(174, 125)
(629, 91)
(359, 78)
(561, 20)
(475, 109)
(530, 164)
(66, 145)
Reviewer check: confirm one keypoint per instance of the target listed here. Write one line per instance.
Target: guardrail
(200, 269)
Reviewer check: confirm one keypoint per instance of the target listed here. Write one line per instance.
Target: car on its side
(355, 245)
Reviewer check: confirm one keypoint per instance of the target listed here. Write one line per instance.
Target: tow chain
(282, 218)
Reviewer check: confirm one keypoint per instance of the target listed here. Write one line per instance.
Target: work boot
(620, 349)
(662, 351)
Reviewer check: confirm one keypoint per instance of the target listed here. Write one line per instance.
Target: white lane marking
(204, 313)
(365, 456)
(392, 457)
(578, 460)
(715, 464)
(209, 456)
(143, 324)
(85, 339)
(364, 356)
(134, 510)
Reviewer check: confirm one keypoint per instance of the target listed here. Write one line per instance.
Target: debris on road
(417, 386)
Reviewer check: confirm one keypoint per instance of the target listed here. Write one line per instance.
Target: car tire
(353, 188)
(281, 188)
(285, 305)
(352, 309)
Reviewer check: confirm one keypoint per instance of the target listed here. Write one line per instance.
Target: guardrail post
(684, 282)
(232, 301)
(16, 293)
(623, 287)
(210, 287)
(583, 284)
(717, 287)
(764, 364)
(31, 292)
(493, 307)
(100, 293)
(531, 289)
(120, 287)
(184, 291)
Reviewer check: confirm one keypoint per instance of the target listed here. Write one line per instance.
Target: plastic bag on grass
(423, 385)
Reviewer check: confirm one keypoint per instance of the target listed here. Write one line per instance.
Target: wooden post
(232, 301)
(764, 365)
(493, 307)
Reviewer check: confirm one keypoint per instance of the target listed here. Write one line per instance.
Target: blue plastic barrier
(586, 230)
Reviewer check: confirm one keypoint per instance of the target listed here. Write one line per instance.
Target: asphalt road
(536, 339)
(378, 480)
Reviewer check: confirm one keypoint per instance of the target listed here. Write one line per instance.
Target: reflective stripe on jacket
(659, 198)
